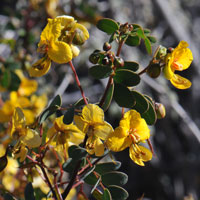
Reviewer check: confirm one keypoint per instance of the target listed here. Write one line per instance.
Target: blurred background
(174, 172)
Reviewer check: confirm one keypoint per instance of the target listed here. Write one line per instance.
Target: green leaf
(148, 45)
(102, 168)
(91, 179)
(80, 102)
(76, 152)
(146, 31)
(123, 96)
(69, 116)
(29, 192)
(106, 195)
(107, 25)
(3, 162)
(95, 186)
(113, 37)
(133, 40)
(114, 178)
(5, 79)
(130, 65)
(69, 165)
(136, 26)
(11, 65)
(15, 82)
(88, 173)
(126, 77)
(109, 97)
(150, 115)
(118, 193)
(140, 33)
(142, 104)
(97, 194)
(53, 107)
(152, 39)
(100, 71)
(56, 101)
(8, 196)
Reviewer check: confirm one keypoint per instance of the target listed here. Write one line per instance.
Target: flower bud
(162, 52)
(160, 110)
(118, 62)
(105, 61)
(154, 70)
(79, 37)
(107, 46)
(94, 58)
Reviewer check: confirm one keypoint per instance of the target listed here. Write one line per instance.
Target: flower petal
(40, 68)
(59, 52)
(102, 131)
(99, 147)
(139, 154)
(32, 138)
(118, 140)
(180, 82)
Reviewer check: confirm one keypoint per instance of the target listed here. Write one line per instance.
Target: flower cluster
(58, 43)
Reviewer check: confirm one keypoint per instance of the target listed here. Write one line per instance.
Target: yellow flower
(62, 136)
(91, 122)
(180, 59)
(25, 136)
(27, 86)
(56, 42)
(131, 131)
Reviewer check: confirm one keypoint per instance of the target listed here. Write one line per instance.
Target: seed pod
(118, 62)
(160, 110)
(94, 58)
(107, 46)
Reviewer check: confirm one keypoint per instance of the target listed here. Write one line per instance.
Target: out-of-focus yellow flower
(8, 107)
(27, 86)
(9, 181)
(62, 136)
(91, 122)
(179, 60)
(131, 132)
(57, 43)
(51, 6)
(25, 136)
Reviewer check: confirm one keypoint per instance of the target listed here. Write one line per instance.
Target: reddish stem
(78, 82)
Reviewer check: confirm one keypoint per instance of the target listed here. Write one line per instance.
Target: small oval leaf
(150, 115)
(109, 97)
(130, 65)
(107, 25)
(77, 152)
(3, 162)
(80, 102)
(123, 96)
(152, 39)
(100, 71)
(118, 193)
(127, 77)
(106, 195)
(29, 192)
(91, 179)
(142, 104)
(114, 178)
(15, 82)
(69, 116)
(148, 45)
(133, 40)
(102, 168)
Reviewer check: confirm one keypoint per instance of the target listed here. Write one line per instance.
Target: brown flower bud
(107, 46)
(118, 62)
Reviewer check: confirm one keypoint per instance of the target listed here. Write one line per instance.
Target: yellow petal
(168, 71)
(102, 131)
(65, 19)
(27, 87)
(21, 153)
(99, 147)
(81, 123)
(139, 154)
(118, 140)
(18, 120)
(180, 82)
(183, 55)
(60, 52)
(40, 68)
(133, 121)
(93, 113)
(31, 139)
